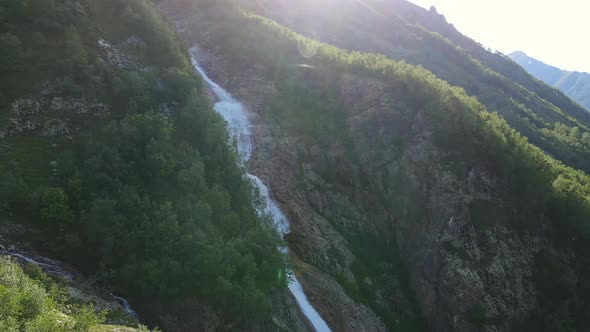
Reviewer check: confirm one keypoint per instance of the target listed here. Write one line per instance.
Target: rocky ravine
(465, 278)
(310, 232)
(455, 269)
(329, 298)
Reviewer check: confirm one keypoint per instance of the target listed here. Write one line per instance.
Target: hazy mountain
(573, 83)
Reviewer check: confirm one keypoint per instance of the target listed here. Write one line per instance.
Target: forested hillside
(429, 184)
(426, 197)
(112, 154)
(403, 31)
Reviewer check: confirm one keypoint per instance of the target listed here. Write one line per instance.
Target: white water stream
(241, 131)
(126, 306)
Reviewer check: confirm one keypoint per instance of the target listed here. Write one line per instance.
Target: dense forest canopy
(153, 201)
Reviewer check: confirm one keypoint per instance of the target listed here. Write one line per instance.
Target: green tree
(11, 53)
(55, 211)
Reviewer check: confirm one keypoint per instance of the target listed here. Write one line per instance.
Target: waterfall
(241, 131)
(126, 306)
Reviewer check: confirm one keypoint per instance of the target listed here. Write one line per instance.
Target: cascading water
(240, 130)
(126, 306)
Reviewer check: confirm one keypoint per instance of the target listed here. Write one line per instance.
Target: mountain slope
(548, 74)
(574, 84)
(403, 31)
(402, 191)
(115, 161)
(412, 206)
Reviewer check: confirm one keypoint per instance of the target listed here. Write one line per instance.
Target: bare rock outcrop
(119, 57)
(49, 116)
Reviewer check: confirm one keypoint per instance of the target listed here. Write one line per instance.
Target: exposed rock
(285, 316)
(26, 107)
(49, 116)
(32, 126)
(77, 106)
(331, 300)
(104, 44)
(55, 128)
(117, 57)
(56, 105)
(391, 297)
(21, 126)
(168, 109)
(132, 41)
(491, 270)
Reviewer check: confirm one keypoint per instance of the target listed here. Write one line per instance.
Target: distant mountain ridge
(573, 83)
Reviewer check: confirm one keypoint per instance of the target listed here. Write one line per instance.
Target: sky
(556, 32)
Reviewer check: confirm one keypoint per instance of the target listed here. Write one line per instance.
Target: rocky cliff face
(50, 116)
(464, 277)
(275, 160)
(386, 186)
